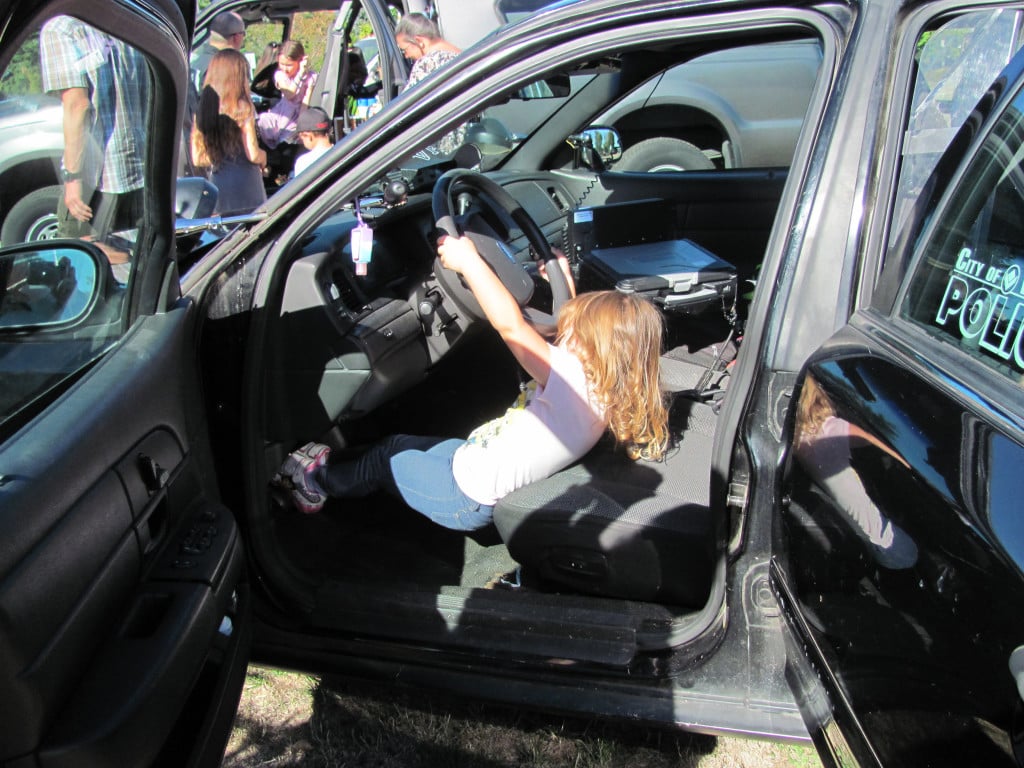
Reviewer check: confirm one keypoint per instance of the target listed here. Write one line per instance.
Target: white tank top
(559, 424)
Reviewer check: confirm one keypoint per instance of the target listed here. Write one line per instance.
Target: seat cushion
(610, 526)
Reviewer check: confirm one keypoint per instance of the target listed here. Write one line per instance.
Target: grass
(291, 719)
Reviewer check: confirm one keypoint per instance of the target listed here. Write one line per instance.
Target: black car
(831, 550)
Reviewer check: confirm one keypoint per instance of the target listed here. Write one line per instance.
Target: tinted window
(75, 125)
(967, 286)
(956, 62)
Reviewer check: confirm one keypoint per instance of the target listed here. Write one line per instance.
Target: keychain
(362, 243)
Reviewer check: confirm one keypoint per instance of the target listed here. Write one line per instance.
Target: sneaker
(296, 476)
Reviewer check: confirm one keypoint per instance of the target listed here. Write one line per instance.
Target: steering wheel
(492, 198)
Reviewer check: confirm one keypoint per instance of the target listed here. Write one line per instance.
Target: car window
(309, 27)
(955, 62)
(967, 286)
(75, 121)
(740, 107)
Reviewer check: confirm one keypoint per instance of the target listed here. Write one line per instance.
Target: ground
(292, 719)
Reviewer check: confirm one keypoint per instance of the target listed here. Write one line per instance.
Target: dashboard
(345, 343)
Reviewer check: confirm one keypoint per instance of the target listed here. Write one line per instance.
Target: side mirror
(50, 285)
(597, 147)
(194, 198)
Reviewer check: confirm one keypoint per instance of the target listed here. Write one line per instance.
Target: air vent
(560, 203)
(346, 297)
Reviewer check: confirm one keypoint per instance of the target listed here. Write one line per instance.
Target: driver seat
(613, 527)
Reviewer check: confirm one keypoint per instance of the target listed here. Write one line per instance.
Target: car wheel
(32, 218)
(664, 154)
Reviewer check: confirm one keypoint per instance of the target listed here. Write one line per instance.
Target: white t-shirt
(558, 426)
(303, 161)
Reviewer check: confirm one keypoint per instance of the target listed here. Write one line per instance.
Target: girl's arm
(501, 309)
(252, 145)
(199, 157)
(308, 93)
(856, 433)
(286, 85)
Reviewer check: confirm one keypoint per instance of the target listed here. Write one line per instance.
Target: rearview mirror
(554, 87)
(50, 285)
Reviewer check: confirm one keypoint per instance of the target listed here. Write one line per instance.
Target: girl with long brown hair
(600, 374)
(224, 134)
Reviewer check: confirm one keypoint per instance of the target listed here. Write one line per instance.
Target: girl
(295, 80)
(601, 373)
(224, 135)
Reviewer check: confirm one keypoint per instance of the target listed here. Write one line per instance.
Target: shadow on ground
(289, 719)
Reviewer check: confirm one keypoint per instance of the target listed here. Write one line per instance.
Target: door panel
(118, 565)
(899, 547)
(895, 557)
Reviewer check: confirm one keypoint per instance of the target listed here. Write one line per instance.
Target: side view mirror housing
(51, 285)
(596, 148)
(194, 198)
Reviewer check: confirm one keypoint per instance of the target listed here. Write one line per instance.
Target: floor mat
(381, 541)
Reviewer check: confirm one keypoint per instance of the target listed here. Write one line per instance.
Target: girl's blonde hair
(228, 75)
(813, 409)
(617, 337)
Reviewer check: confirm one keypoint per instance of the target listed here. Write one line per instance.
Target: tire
(33, 217)
(663, 155)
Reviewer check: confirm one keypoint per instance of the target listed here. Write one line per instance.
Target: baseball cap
(227, 23)
(313, 119)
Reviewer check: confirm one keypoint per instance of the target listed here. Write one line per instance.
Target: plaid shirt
(76, 55)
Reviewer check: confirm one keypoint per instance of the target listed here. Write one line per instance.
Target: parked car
(831, 552)
(738, 108)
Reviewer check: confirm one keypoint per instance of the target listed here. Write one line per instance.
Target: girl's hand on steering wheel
(457, 253)
(563, 262)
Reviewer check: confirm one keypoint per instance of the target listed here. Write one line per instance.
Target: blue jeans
(417, 470)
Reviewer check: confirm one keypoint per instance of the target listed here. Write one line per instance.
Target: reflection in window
(955, 64)
(968, 285)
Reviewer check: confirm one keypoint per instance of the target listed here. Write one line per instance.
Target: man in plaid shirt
(104, 89)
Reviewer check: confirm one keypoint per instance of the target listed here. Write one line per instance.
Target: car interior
(611, 561)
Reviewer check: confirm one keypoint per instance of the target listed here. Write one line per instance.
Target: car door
(123, 632)
(899, 546)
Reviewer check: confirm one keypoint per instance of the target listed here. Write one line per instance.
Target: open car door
(123, 632)
(899, 546)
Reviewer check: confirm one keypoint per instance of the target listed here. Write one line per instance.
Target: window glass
(74, 112)
(75, 119)
(261, 41)
(740, 107)
(955, 64)
(967, 286)
(310, 28)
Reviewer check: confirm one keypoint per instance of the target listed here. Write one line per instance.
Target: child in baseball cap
(314, 131)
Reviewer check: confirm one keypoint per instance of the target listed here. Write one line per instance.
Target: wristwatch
(67, 175)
